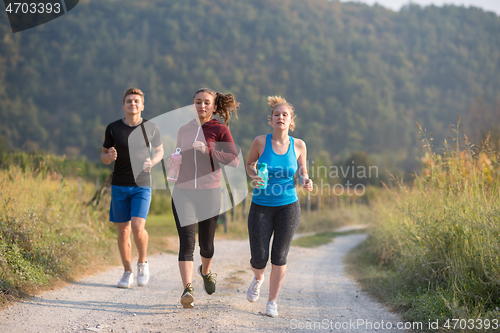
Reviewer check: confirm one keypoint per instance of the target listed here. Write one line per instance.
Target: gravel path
(317, 296)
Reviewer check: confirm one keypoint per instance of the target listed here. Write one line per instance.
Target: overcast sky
(489, 5)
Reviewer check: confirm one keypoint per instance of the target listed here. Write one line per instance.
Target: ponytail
(226, 104)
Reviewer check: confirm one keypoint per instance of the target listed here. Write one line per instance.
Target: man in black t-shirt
(131, 181)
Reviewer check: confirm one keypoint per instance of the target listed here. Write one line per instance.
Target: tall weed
(442, 234)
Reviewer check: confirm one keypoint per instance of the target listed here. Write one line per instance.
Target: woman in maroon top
(205, 144)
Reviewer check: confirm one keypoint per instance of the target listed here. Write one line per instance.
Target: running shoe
(253, 291)
(127, 279)
(142, 273)
(272, 309)
(187, 297)
(208, 281)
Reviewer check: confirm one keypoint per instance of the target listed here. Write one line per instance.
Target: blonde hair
(274, 102)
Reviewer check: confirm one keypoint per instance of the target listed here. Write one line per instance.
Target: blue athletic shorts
(128, 202)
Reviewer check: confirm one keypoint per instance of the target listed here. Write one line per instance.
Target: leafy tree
(358, 76)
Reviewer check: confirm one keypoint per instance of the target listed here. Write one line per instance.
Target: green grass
(44, 164)
(322, 238)
(161, 229)
(312, 241)
(161, 225)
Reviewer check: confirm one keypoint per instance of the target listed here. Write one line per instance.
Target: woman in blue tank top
(275, 209)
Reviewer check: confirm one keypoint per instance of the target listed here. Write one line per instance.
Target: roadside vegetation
(49, 233)
(54, 223)
(433, 251)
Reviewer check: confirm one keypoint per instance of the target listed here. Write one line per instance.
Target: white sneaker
(272, 309)
(253, 291)
(142, 274)
(127, 279)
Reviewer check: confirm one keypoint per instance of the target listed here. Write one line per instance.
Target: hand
(258, 181)
(308, 185)
(147, 165)
(170, 163)
(198, 145)
(112, 154)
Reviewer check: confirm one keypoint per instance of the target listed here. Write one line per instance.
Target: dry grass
(48, 232)
(434, 248)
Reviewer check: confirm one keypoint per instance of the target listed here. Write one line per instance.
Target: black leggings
(262, 222)
(188, 207)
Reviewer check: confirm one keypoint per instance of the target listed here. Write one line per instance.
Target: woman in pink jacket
(205, 144)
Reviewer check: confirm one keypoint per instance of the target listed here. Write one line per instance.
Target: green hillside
(359, 76)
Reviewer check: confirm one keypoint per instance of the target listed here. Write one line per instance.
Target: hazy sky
(489, 5)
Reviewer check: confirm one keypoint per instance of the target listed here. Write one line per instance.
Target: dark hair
(133, 91)
(225, 103)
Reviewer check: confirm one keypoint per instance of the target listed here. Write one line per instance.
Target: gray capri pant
(263, 221)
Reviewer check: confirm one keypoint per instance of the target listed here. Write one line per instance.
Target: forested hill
(358, 76)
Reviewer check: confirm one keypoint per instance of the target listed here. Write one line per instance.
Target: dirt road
(317, 296)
